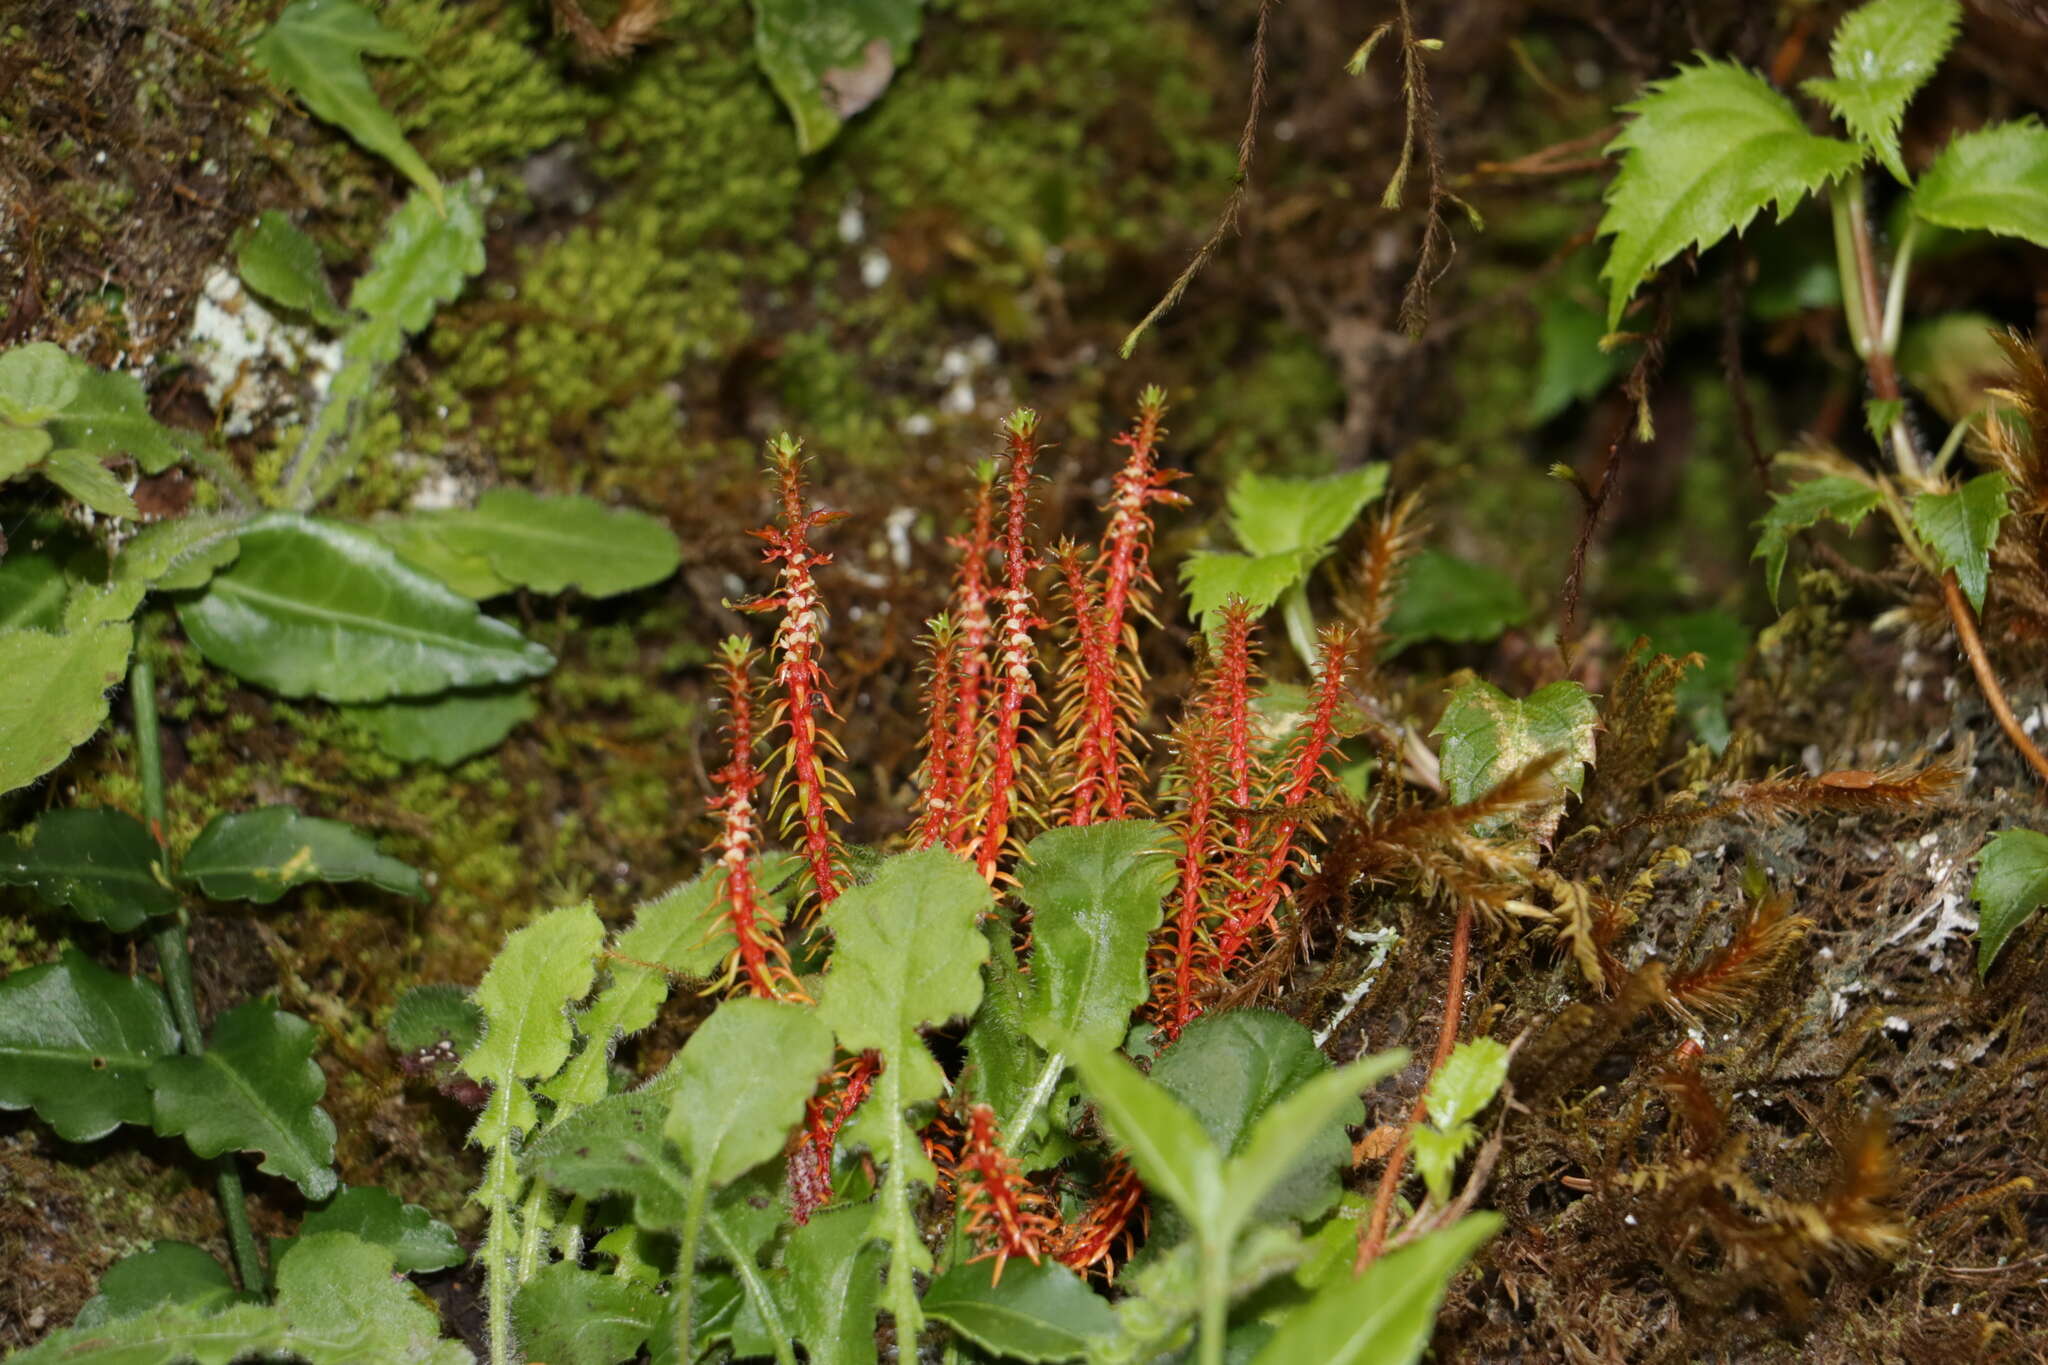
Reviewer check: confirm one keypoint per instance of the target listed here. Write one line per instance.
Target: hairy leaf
(525, 996)
(283, 265)
(1385, 1317)
(1282, 1138)
(101, 863)
(1487, 735)
(616, 1146)
(77, 1043)
(2012, 883)
(109, 415)
(1707, 148)
(833, 1287)
(1096, 894)
(426, 1015)
(449, 728)
(551, 544)
(1443, 597)
(1992, 180)
(314, 608)
(1883, 52)
(56, 694)
(37, 381)
(829, 59)
(422, 261)
(179, 555)
(259, 855)
(256, 1089)
(569, 1316)
(317, 48)
(1961, 527)
(168, 1275)
(741, 1082)
(1272, 516)
(1836, 496)
(34, 581)
(1041, 1312)
(83, 476)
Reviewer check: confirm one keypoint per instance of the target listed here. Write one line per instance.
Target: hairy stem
(1019, 1123)
(1215, 1302)
(175, 958)
(683, 1295)
(755, 1288)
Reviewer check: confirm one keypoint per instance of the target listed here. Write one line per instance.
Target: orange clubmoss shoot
(758, 959)
(1005, 1215)
(810, 1161)
(942, 795)
(1091, 1243)
(1016, 652)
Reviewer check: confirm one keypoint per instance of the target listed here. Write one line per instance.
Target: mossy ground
(669, 284)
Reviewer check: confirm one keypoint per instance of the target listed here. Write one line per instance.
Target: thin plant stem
(1373, 1239)
(755, 1288)
(174, 957)
(1019, 1123)
(1980, 664)
(1853, 312)
(1895, 289)
(1215, 1302)
(683, 1294)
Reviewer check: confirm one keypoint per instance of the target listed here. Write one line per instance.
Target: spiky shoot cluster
(759, 960)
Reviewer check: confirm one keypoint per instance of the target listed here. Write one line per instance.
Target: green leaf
(168, 1275)
(569, 1316)
(909, 956)
(283, 265)
(1273, 516)
(317, 47)
(1570, 366)
(255, 1089)
(834, 1286)
(1487, 735)
(1707, 148)
(1041, 1312)
(1467, 1081)
(76, 1045)
(56, 694)
(1096, 894)
(422, 261)
(1163, 1138)
(1437, 1153)
(179, 555)
(741, 1082)
(37, 381)
(20, 448)
(1883, 52)
(616, 1146)
(1992, 180)
(551, 544)
(449, 728)
(1002, 1061)
(1837, 496)
(426, 1015)
(1386, 1316)
(1961, 527)
(1281, 1141)
(417, 1241)
(1722, 642)
(829, 59)
(2012, 883)
(101, 863)
(1213, 577)
(1443, 597)
(1229, 1070)
(109, 415)
(83, 476)
(34, 581)
(418, 543)
(314, 608)
(1954, 359)
(525, 996)
(261, 854)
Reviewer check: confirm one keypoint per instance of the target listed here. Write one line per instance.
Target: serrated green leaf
(2012, 883)
(1443, 597)
(1961, 527)
(283, 265)
(616, 1146)
(101, 863)
(1213, 577)
(1042, 1312)
(1836, 496)
(1467, 1081)
(1384, 1317)
(1487, 735)
(551, 544)
(99, 604)
(21, 448)
(430, 1014)
(1273, 516)
(76, 1045)
(417, 1241)
(829, 59)
(1883, 52)
(1230, 1069)
(422, 261)
(255, 1089)
(447, 729)
(109, 415)
(37, 381)
(1096, 894)
(168, 1275)
(316, 47)
(83, 476)
(909, 956)
(741, 1082)
(314, 608)
(1437, 1153)
(525, 996)
(1707, 148)
(56, 694)
(179, 555)
(33, 585)
(259, 855)
(569, 1316)
(1992, 180)
(833, 1287)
